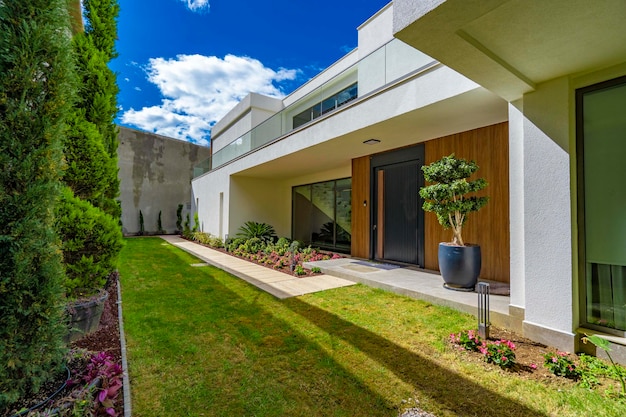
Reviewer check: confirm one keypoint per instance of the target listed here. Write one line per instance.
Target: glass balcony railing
(389, 63)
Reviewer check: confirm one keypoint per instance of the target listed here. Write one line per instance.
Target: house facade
(528, 90)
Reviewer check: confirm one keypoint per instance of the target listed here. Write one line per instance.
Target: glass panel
(302, 213)
(386, 64)
(343, 208)
(322, 217)
(604, 147)
(604, 170)
(322, 214)
(606, 296)
(302, 118)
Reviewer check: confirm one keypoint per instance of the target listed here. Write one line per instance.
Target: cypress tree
(35, 94)
(89, 215)
(98, 93)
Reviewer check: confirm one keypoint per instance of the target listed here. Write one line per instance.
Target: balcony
(390, 63)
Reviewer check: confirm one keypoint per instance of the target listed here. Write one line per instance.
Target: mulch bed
(106, 338)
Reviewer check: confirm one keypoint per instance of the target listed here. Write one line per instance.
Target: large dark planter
(459, 266)
(84, 316)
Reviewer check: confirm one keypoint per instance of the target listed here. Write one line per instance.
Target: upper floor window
(331, 103)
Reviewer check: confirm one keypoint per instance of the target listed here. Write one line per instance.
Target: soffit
(511, 46)
(471, 110)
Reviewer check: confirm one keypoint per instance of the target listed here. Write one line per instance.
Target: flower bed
(284, 255)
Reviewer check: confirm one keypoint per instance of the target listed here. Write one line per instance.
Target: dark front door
(398, 217)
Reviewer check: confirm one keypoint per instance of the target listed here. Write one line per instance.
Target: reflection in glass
(322, 214)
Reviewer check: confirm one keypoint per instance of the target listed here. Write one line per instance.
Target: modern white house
(533, 91)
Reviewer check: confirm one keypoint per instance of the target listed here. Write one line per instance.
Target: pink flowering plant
(560, 364)
(501, 352)
(467, 340)
(106, 376)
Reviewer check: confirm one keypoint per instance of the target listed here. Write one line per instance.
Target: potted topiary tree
(447, 197)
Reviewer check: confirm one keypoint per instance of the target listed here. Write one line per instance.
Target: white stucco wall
(248, 113)
(547, 212)
(516, 204)
(376, 31)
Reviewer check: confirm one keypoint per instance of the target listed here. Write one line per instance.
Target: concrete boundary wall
(155, 175)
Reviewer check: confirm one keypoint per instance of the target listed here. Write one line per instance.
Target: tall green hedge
(97, 98)
(89, 218)
(36, 87)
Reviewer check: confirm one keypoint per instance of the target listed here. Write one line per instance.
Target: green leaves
(36, 92)
(447, 196)
(91, 240)
(252, 229)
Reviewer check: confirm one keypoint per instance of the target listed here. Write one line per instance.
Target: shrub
(316, 270)
(196, 222)
(254, 245)
(467, 340)
(179, 218)
(160, 225)
(299, 270)
(36, 89)
(141, 224)
(295, 246)
(261, 231)
(187, 227)
(216, 242)
(234, 244)
(91, 244)
(561, 365)
(500, 353)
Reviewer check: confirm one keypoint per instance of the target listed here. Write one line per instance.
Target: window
(331, 103)
(322, 214)
(601, 150)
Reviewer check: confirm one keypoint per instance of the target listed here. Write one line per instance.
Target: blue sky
(184, 63)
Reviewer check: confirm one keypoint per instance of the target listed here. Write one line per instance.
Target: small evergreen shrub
(160, 225)
(187, 227)
(179, 218)
(141, 224)
(196, 222)
(91, 244)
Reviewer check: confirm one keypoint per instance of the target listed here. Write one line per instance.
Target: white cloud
(199, 90)
(197, 5)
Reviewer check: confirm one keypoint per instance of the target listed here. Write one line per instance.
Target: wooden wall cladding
(360, 213)
(489, 227)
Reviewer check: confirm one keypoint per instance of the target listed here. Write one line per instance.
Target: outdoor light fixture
(483, 310)
(371, 141)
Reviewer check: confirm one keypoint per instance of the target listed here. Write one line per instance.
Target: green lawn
(204, 343)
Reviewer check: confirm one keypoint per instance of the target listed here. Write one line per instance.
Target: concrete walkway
(408, 281)
(277, 283)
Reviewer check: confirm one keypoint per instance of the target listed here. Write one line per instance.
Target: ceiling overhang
(473, 109)
(511, 46)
